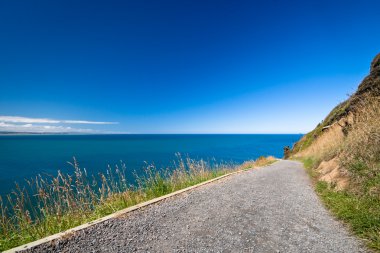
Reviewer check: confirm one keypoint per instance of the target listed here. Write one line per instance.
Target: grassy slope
(337, 113)
(359, 154)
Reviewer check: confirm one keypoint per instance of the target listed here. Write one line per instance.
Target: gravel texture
(271, 209)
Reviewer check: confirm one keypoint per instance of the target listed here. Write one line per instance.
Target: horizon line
(115, 133)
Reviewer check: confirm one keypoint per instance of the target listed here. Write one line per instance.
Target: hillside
(370, 87)
(343, 155)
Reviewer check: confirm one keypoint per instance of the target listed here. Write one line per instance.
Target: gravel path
(272, 209)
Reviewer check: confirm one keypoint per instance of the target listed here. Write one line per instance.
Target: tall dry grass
(354, 140)
(360, 152)
(356, 148)
(259, 162)
(48, 205)
(326, 146)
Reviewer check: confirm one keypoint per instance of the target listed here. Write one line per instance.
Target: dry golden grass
(327, 145)
(48, 205)
(324, 151)
(259, 162)
(360, 152)
(346, 161)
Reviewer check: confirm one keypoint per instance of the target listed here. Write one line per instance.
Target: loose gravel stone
(271, 209)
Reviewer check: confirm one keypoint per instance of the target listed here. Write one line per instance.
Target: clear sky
(181, 66)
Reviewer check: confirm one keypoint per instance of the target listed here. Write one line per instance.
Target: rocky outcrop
(375, 64)
(371, 84)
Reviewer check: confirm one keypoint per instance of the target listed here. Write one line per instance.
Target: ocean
(25, 156)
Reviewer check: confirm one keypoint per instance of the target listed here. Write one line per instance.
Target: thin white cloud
(32, 128)
(17, 119)
(88, 122)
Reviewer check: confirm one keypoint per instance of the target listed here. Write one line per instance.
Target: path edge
(120, 212)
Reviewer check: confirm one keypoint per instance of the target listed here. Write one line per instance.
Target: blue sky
(181, 66)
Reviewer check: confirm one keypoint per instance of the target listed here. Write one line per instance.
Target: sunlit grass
(362, 213)
(48, 205)
(357, 148)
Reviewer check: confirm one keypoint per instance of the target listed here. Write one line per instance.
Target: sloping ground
(352, 125)
(343, 155)
(369, 87)
(272, 209)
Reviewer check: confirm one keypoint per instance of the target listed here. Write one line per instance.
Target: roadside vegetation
(357, 153)
(259, 162)
(48, 205)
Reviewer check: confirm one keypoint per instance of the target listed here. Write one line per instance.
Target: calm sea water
(24, 156)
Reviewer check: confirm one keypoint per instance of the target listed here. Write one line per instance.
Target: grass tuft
(259, 162)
